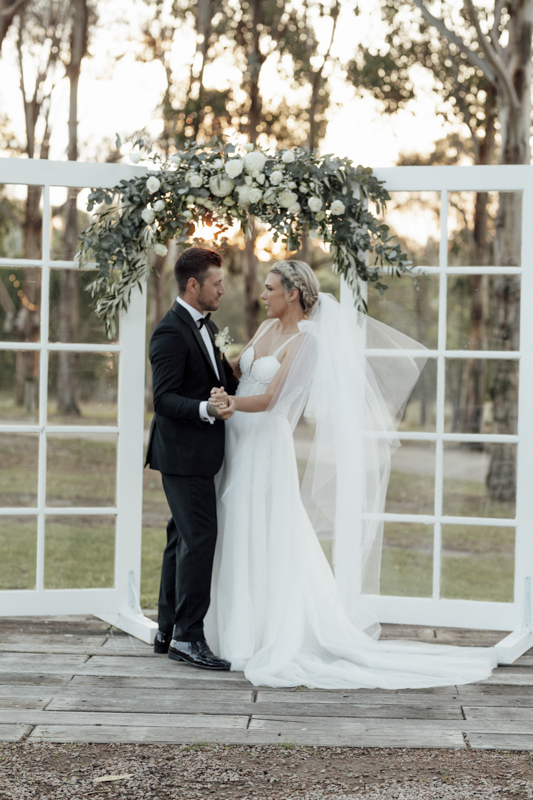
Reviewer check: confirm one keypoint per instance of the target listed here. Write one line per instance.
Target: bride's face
(274, 297)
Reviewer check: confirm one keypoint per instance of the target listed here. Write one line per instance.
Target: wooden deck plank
(156, 701)
(499, 713)
(344, 697)
(13, 733)
(121, 719)
(66, 733)
(147, 682)
(500, 741)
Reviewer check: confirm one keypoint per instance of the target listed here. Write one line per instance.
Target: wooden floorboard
(70, 679)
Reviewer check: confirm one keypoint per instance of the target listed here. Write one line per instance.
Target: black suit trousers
(185, 589)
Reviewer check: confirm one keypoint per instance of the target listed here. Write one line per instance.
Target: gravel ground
(285, 772)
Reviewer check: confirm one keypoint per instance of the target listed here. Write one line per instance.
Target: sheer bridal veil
(350, 378)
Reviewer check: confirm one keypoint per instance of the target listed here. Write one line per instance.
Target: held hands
(220, 405)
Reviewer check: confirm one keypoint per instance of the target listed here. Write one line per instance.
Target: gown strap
(285, 344)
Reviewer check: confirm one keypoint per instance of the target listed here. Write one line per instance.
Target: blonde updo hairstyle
(298, 275)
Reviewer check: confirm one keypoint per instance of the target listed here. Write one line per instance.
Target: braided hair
(299, 275)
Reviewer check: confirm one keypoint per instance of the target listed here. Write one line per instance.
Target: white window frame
(118, 605)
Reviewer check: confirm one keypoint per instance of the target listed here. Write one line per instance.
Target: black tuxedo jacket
(182, 376)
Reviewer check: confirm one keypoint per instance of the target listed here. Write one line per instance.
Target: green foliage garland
(292, 191)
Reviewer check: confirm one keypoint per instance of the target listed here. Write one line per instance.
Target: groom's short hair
(195, 263)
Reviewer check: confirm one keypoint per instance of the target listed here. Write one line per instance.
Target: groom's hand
(219, 397)
(224, 412)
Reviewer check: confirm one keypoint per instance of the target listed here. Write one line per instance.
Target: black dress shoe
(162, 642)
(198, 654)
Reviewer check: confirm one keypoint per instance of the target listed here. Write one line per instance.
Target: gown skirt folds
(276, 609)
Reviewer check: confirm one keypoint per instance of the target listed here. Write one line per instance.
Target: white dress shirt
(204, 333)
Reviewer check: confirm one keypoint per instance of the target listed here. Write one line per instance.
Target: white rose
(148, 215)
(276, 176)
(295, 208)
(320, 216)
(159, 205)
(287, 198)
(195, 180)
(260, 179)
(269, 196)
(315, 204)
(135, 158)
(292, 185)
(160, 249)
(175, 159)
(255, 195)
(153, 183)
(288, 157)
(220, 185)
(337, 207)
(303, 188)
(234, 167)
(218, 163)
(254, 162)
(248, 180)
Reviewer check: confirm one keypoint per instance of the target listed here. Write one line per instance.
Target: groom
(186, 445)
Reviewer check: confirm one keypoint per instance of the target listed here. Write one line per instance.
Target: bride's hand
(219, 397)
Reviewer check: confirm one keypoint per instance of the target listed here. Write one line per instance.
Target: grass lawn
(477, 561)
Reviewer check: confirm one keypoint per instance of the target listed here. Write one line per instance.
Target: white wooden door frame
(516, 616)
(118, 605)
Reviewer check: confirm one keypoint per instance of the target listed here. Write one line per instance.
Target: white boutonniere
(222, 340)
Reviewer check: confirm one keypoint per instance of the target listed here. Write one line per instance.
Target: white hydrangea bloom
(254, 162)
(337, 207)
(160, 249)
(159, 205)
(244, 194)
(148, 215)
(135, 158)
(195, 180)
(288, 157)
(234, 167)
(220, 185)
(276, 176)
(153, 183)
(287, 198)
(315, 204)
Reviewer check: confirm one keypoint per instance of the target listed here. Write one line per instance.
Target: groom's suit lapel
(184, 315)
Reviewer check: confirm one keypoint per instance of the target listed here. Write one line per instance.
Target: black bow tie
(203, 321)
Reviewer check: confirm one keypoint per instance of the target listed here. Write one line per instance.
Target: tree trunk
(67, 401)
(156, 310)
(515, 126)
(27, 363)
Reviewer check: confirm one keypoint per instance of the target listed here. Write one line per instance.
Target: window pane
(19, 387)
(19, 460)
(477, 563)
(414, 217)
(479, 480)
(483, 312)
(473, 218)
(82, 388)
(81, 470)
(421, 409)
(72, 317)
(69, 218)
(20, 302)
(407, 560)
(412, 308)
(21, 214)
(79, 552)
(481, 396)
(412, 479)
(18, 552)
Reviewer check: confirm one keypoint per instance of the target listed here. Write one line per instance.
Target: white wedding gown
(276, 611)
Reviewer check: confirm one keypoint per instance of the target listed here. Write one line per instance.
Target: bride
(278, 612)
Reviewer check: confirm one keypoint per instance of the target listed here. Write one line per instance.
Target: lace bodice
(256, 375)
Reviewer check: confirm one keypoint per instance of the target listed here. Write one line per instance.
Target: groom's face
(211, 290)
